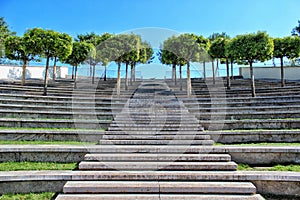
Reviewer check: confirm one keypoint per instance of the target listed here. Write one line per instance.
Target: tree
(79, 55)
(218, 50)
(18, 48)
(92, 58)
(132, 53)
(145, 56)
(251, 48)
(187, 47)
(114, 49)
(49, 44)
(286, 47)
(168, 57)
(63, 49)
(212, 38)
(296, 30)
(4, 33)
(104, 61)
(204, 44)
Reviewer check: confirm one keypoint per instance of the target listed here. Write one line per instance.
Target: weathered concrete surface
(31, 181)
(76, 153)
(156, 197)
(161, 187)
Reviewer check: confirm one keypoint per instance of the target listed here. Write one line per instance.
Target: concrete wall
(291, 73)
(34, 72)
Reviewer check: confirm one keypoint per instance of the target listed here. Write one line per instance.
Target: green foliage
(24, 142)
(188, 47)
(17, 48)
(251, 47)
(4, 33)
(215, 36)
(291, 168)
(18, 166)
(287, 47)
(80, 52)
(218, 48)
(31, 196)
(296, 30)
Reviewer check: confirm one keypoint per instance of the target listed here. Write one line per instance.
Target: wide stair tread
(156, 197)
(161, 187)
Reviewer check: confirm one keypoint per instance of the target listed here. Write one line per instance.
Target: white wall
(36, 72)
(290, 73)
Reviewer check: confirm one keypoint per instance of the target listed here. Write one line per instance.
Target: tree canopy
(286, 47)
(49, 44)
(18, 48)
(4, 33)
(251, 48)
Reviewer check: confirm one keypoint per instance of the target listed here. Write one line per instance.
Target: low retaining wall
(291, 73)
(75, 153)
(36, 72)
(275, 183)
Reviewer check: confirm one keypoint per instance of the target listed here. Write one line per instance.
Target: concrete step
(158, 187)
(158, 157)
(155, 165)
(155, 142)
(154, 136)
(156, 197)
(155, 128)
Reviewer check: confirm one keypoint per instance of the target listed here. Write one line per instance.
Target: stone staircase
(155, 132)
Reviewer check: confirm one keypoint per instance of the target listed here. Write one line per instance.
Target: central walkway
(156, 149)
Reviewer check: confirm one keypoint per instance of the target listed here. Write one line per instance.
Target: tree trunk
(174, 73)
(75, 86)
(213, 71)
(282, 72)
(119, 80)
(252, 80)
(180, 75)
(104, 73)
(134, 78)
(94, 72)
(231, 66)
(126, 77)
(131, 74)
(204, 71)
(228, 75)
(24, 72)
(91, 70)
(46, 77)
(188, 80)
(217, 69)
(54, 69)
(72, 72)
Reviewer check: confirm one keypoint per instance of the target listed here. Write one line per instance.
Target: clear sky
(204, 17)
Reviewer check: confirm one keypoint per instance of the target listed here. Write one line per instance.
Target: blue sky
(204, 17)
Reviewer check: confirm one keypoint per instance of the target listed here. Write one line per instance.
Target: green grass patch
(274, 144)
(18, 166)
(291, 168)
(50, 129)
(31, 196)
(23, 142)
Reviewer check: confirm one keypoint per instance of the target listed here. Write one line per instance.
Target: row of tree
(90, 48)
(248, 48)
(129, 49)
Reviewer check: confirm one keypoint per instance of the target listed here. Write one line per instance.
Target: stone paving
(171, 130)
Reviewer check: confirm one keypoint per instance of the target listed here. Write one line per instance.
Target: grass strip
(51, 129)
(31, 196)
(290, 168)
(271, 144)
(23, 142)
(19, 166)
